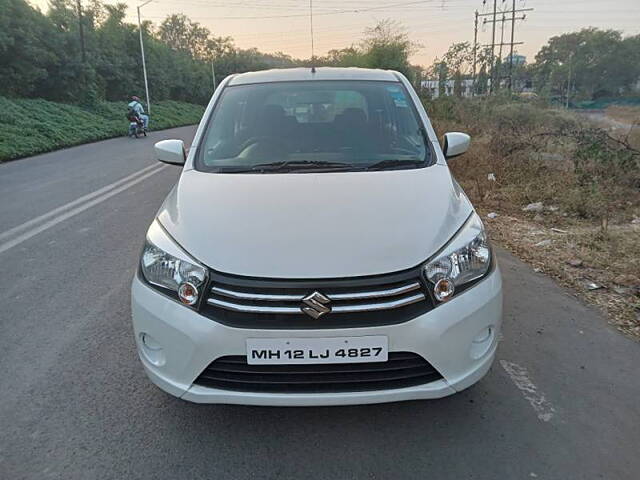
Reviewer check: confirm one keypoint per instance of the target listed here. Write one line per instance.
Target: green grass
(29, 126)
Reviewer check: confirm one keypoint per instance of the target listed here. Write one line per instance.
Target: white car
(316, 250)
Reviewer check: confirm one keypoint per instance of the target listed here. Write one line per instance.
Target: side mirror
(455, 143)
(171, 151)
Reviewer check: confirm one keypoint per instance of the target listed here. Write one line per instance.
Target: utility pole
(513, 28)
(501, 38)
(144, 65)
(493, 45)
(213, 75)
(502, 43)
(499, 74)
(81, 27)
(475, 54)
(569, 81)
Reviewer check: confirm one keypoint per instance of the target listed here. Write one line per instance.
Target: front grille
(403, 369)
(352, 302)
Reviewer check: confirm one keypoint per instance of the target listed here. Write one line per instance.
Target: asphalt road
(561, 401)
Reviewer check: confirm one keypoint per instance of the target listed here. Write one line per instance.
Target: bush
(30, 126)
(538, 153)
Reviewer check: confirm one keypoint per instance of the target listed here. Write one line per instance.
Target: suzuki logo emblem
(316, 305)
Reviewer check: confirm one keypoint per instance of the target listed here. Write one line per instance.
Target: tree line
(583, 65)
(42, 56)
(83, 57)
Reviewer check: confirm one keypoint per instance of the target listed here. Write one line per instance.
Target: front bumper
(458, 338)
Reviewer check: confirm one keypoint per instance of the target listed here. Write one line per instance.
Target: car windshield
(314, 126)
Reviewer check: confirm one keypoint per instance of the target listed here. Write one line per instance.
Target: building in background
(518, 60)
(432, 87)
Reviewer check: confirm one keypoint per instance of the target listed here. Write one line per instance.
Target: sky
(283, 25)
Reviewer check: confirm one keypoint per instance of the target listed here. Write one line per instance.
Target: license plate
(271, 351)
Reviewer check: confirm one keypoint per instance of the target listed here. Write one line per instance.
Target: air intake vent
(403, 369)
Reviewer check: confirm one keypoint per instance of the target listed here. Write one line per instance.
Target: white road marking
(77, 201)
(75, 211)
(536, 398)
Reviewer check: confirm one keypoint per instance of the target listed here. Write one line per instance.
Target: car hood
(314, 225)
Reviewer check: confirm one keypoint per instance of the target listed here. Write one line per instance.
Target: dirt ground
(604, 272)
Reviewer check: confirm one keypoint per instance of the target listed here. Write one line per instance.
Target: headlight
(164, 264)
(466, 258)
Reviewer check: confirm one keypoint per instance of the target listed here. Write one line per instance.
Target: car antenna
(313, 67)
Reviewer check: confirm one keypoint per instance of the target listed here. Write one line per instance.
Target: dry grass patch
(585, 181)
(603, 270)
(625, 114)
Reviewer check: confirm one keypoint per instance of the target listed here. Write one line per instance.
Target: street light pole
(144, 65)
(213, 75)
(569, 81)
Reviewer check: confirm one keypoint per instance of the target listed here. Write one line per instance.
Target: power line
(349, 30)
(494, 78)
(337, 12)
(504, 44)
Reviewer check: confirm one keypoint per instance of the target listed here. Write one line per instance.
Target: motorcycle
(136, 127)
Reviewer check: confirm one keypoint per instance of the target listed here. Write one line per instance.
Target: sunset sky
(283, 25)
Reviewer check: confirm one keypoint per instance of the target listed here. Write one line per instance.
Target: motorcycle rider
(136, 106)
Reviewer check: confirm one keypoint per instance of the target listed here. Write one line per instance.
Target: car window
(346, 125)
(317, 106)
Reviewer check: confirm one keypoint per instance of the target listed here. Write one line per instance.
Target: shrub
(538, 153)
(30, 126)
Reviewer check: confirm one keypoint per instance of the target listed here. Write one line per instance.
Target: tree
(185, 35)
(597, 61)
(387, 45)
(456, 64)
(351, 56)
(439, 71)
(25, 36)
(117, 74)
(459, 61)
(485, 61)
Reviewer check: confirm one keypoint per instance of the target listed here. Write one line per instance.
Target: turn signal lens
(188, 293)
(443, 289)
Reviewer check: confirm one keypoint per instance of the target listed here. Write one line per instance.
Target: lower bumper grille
(403, 369)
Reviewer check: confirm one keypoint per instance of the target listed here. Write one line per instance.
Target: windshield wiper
(301, 165)
(391, 164)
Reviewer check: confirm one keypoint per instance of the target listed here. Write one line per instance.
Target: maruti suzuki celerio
(316, 250)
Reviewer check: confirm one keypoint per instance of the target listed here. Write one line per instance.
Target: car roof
(306, 74)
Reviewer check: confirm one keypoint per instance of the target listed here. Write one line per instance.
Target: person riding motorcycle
(136, 109)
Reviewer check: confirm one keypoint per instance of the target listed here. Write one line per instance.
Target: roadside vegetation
(42, 57)
(562, 191)
(558, 191)
(31, 126)
(590, 69)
